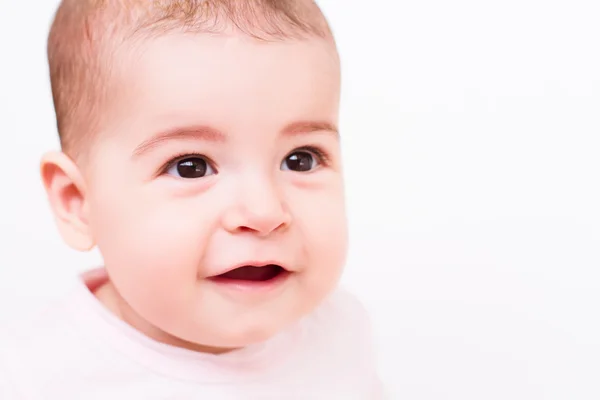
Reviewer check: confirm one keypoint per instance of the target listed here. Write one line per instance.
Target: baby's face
(221, 152)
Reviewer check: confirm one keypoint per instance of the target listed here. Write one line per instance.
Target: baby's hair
(85, 34)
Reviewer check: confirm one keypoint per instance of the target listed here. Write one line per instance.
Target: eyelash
(182, 156)
(321, 155)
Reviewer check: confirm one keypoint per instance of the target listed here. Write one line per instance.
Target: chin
(250, 337)
(243, 336)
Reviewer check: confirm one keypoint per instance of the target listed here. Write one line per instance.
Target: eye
(190, 168)
(302, 161)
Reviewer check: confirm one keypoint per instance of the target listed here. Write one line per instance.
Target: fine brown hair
(86, 35)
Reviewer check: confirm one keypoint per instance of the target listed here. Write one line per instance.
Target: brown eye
(190, 168)
(300, 161)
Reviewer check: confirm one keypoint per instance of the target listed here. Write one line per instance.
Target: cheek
(321, 212)
(152, 249)
(322, 222)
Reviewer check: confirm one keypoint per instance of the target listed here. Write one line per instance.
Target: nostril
(261, 220)
(264, 230)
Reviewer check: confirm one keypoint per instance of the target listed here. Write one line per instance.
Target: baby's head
(199, 137)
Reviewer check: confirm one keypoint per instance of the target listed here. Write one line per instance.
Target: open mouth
(250, 273)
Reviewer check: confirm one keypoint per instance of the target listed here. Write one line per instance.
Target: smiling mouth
(250, 273)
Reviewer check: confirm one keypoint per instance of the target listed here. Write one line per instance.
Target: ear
(66, 192)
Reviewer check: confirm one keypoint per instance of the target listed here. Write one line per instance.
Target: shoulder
(17, 345)
(340, 338)
(343, 313)
(354, 328)
(37, 348)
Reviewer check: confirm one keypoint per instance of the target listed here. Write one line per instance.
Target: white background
(471, 134)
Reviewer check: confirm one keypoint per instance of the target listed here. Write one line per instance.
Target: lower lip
(252, 286)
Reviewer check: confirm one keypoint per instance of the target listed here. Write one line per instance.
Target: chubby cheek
(323, 225)
(152, 250)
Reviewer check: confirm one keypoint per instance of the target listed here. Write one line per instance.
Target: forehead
(233, 82)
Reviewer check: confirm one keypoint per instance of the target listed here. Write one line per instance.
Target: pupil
(192, 168)
(299, 162)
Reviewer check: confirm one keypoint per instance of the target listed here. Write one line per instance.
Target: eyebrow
(301, 127)
(209, 134)
(200, 132)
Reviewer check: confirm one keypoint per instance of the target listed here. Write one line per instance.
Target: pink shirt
(77, 349)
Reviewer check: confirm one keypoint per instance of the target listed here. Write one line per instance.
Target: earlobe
(65, 188)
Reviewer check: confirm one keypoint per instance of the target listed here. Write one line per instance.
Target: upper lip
(254, 264)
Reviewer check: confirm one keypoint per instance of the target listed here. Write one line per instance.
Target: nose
(259, 207)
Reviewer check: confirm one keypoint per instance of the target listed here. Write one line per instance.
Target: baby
(200, 154)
